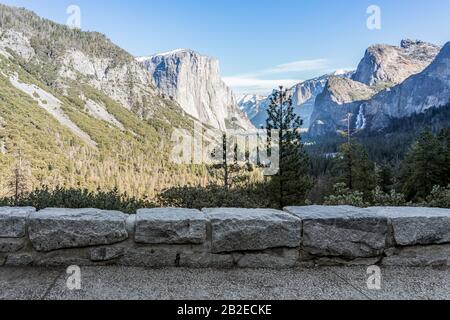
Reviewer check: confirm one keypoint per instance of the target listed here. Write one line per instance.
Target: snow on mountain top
(169, 53)
(341, 72)
(143, 59)
(162, 54)
(245, 98)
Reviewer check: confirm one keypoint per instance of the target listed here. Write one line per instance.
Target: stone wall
(226, 238)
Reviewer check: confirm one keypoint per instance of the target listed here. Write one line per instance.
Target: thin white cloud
(298, 66)
(246, 84)
(260, 82)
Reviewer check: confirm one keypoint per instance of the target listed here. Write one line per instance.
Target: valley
(78, 112)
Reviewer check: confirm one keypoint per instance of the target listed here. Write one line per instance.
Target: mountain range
(85, 113)
(390, 83)
(303, 98)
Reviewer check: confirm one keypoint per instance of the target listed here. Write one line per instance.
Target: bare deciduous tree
(19, 182)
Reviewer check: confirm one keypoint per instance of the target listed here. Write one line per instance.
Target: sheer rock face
(126, 82)
(69, 58)
(428, 89)
(340, 96)
(387, 65)
(194, 82)
(303, 99)
(391, 82)
(252, 105)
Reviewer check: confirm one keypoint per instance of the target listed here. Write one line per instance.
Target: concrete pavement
(331, 283)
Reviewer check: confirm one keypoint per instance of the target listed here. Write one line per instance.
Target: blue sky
(260, 43)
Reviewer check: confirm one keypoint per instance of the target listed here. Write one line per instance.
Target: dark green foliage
(292, 183)
(389, 199)
(76, 198)
(439, 197)
(425, 166)
(385, 177)
(404, 159)
(423, 178)
(342, 195)
(392, 144)
(214, 196)
(354, 168)
(444, 139)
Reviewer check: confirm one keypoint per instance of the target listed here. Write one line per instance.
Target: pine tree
(424, 167)
(292, 183)
(385, 177)
(444, 139)
(232, 170)
(355, 169)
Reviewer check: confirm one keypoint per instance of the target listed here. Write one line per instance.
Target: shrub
(76, 198)
(344, 196)
(215, 196)
(393, 198)
(439, 197)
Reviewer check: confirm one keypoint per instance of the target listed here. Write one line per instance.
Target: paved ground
(179, 284)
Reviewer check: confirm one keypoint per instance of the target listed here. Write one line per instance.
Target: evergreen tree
(355, 169)
(444, 139)
(385, 176)
(292, 182)
(234, 168)
(424, 167)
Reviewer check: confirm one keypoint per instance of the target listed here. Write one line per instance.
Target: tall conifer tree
(292, 183)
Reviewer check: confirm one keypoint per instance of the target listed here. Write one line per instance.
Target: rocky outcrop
(227, 237)
(125, 81)
(17, 42)
(428, 89)
(386, 65)
(193, 80)
(304, 95)
(255, 107)
(70, 58)
(303, 99)
(252, 105)
(390, 82)
(340, 97)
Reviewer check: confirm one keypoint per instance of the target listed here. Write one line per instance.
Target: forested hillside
(78, 111)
